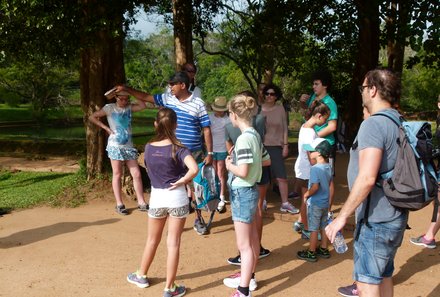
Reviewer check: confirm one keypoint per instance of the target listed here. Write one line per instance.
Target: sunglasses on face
(270, 94)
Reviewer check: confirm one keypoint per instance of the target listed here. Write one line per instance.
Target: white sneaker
(233, 281)
(221, 206)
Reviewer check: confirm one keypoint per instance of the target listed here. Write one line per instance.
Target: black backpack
(412, 183)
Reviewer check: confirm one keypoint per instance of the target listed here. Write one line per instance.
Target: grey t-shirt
(258, 122)
(376, 132)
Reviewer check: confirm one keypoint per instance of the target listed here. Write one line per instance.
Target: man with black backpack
(380, 226)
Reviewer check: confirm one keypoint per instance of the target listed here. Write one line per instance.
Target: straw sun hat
(220, 104)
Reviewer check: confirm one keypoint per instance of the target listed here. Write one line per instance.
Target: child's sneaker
(421, 240)
(139, 280)
(298, 227)
(237, 293)
(233, 281)
(307, 255)
(263, 253)
(120, 209)
(287, 207)
(221, 206)
(323, 253)
(235, 260)
(177, 291)
(200, 228)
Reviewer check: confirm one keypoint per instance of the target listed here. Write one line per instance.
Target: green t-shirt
(331, 104)
(249, 150)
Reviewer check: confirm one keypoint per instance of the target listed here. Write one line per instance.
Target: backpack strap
(364, 220)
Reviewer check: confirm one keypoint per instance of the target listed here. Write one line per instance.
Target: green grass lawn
(26, 189)
(142, 124)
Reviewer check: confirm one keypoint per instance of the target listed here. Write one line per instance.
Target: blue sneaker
(177, 291)
(139, 280)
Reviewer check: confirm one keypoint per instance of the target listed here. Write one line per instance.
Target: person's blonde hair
(243, 106)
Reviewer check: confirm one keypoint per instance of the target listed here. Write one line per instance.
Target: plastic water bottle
(339, 243)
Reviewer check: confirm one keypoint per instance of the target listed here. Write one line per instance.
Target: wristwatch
(210, 153)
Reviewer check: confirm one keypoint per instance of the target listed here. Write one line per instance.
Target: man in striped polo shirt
(192, 118)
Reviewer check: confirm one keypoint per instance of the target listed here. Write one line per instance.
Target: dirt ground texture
(89, 250)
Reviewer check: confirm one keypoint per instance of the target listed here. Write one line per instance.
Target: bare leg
(116, 180)
(283, 186)
(262, 189)
(368, 290)
(155, 229)
(175, 229)
(433, 227)
(324, 240)
(303, 210)
(313, 240)
(137, 180)
(221, 173)
(386, 287)
(249, 247)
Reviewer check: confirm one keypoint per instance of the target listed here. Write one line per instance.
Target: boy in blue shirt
(319, 198)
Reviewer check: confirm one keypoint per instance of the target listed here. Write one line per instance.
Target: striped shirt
(191, 118)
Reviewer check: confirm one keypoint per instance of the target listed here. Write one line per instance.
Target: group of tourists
(247, 138)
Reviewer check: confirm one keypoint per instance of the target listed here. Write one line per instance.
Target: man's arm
(369, 164)
(139, 95)
(303, 101)
(208, 143)
(140, 105)
(331, 127)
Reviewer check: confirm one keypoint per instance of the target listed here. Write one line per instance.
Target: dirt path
(88, 251)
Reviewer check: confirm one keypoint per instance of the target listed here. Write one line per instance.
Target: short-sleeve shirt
(331, 104)
(258, 122)
(376, 132)
(249, 150)
(191, 118)
(119, 120)
(321, 174)
(302, 163)
(276, 126)
(162, 168)
(218, 132)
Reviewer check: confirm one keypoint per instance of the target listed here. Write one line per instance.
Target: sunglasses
(270, 94)
(190, 70)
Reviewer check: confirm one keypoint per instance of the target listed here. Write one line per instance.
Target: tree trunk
(367, 59)
(182, 21)
(397, 32)
(101, 68)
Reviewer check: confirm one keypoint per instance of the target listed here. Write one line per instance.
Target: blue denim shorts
(375, 249)
(219, 156)
(244, 202)
(316, 217)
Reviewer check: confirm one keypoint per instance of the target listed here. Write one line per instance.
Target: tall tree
(89, 31)
(182, 21)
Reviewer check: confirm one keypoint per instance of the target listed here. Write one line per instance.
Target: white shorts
(160, 198)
